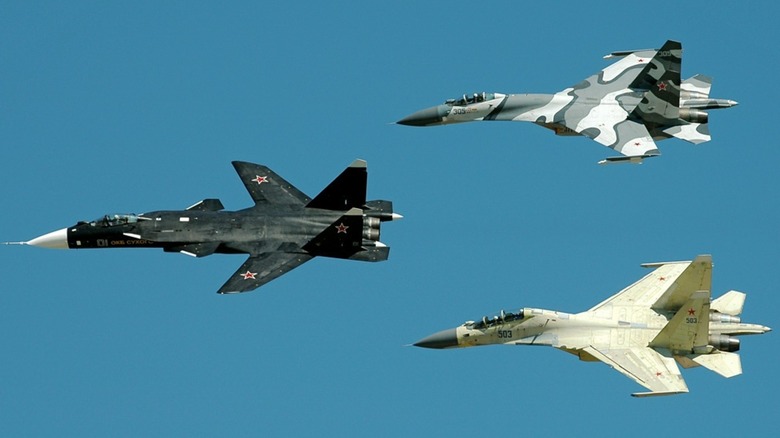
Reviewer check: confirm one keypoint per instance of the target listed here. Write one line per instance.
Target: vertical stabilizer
(347, 191)
(660, 104)
(689, 327)
(342, 239)
(697, 276)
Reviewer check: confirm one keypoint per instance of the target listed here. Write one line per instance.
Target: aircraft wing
(259, 269)
(626, 136)
(602, 104)
(646, 291)
(668, 287)
(646, 367)
(266, 187)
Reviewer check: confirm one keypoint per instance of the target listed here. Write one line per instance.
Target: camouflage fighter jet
(641, 331)
(283, 230)
(626, 106)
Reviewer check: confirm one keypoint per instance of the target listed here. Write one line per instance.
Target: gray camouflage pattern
(626, 106)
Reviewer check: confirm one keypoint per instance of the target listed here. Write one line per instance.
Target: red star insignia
(641, 60)
(691, 311)
(636, 143)
(662, 278)
(658, 374)
(341, 228)
(661, 86)
(260, 179)
(249, 275)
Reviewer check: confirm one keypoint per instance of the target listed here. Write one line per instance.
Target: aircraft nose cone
(428, 116)
(56, 239)
(443, 339)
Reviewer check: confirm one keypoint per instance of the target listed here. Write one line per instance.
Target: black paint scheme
(283, 230)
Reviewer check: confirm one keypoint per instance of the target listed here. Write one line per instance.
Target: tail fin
(347, 191)
(660, 104)
(689, 327)
(342, 239)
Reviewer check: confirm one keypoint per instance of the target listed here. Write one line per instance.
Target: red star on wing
(662, 86)
(662, 278)
(341, 228)
(691, 311)
(658, 374)
(260, 179)
(249, 275)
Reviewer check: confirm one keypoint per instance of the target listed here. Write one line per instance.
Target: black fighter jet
(283, 230)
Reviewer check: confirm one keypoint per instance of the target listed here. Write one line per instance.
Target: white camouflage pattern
(627, 106)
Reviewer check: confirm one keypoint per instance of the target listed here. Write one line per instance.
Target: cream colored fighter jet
(641, 331)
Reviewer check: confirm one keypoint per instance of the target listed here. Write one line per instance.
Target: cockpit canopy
(501, 318)
(468, 99)
(111, 220)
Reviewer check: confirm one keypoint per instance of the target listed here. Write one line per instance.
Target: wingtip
(358, 163)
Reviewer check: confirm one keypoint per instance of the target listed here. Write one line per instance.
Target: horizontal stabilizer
(722, 362)
(372, 254)
(636, 159)
(730, 303)
(347, 191)
(207, 205)
(695, 133)
(698, 86)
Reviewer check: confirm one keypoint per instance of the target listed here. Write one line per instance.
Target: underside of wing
(647, 367)
(625, 136)
(262, 268)
(266, 187)
(647, 290)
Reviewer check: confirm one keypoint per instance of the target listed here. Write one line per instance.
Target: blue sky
(132, 107)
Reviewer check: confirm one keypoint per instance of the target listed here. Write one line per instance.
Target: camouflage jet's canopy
(626, 106)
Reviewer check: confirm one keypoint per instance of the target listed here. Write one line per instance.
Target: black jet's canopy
(111, 220)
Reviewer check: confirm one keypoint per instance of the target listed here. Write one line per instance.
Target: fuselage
(234, 231)
(570, 332)
(549, 110)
